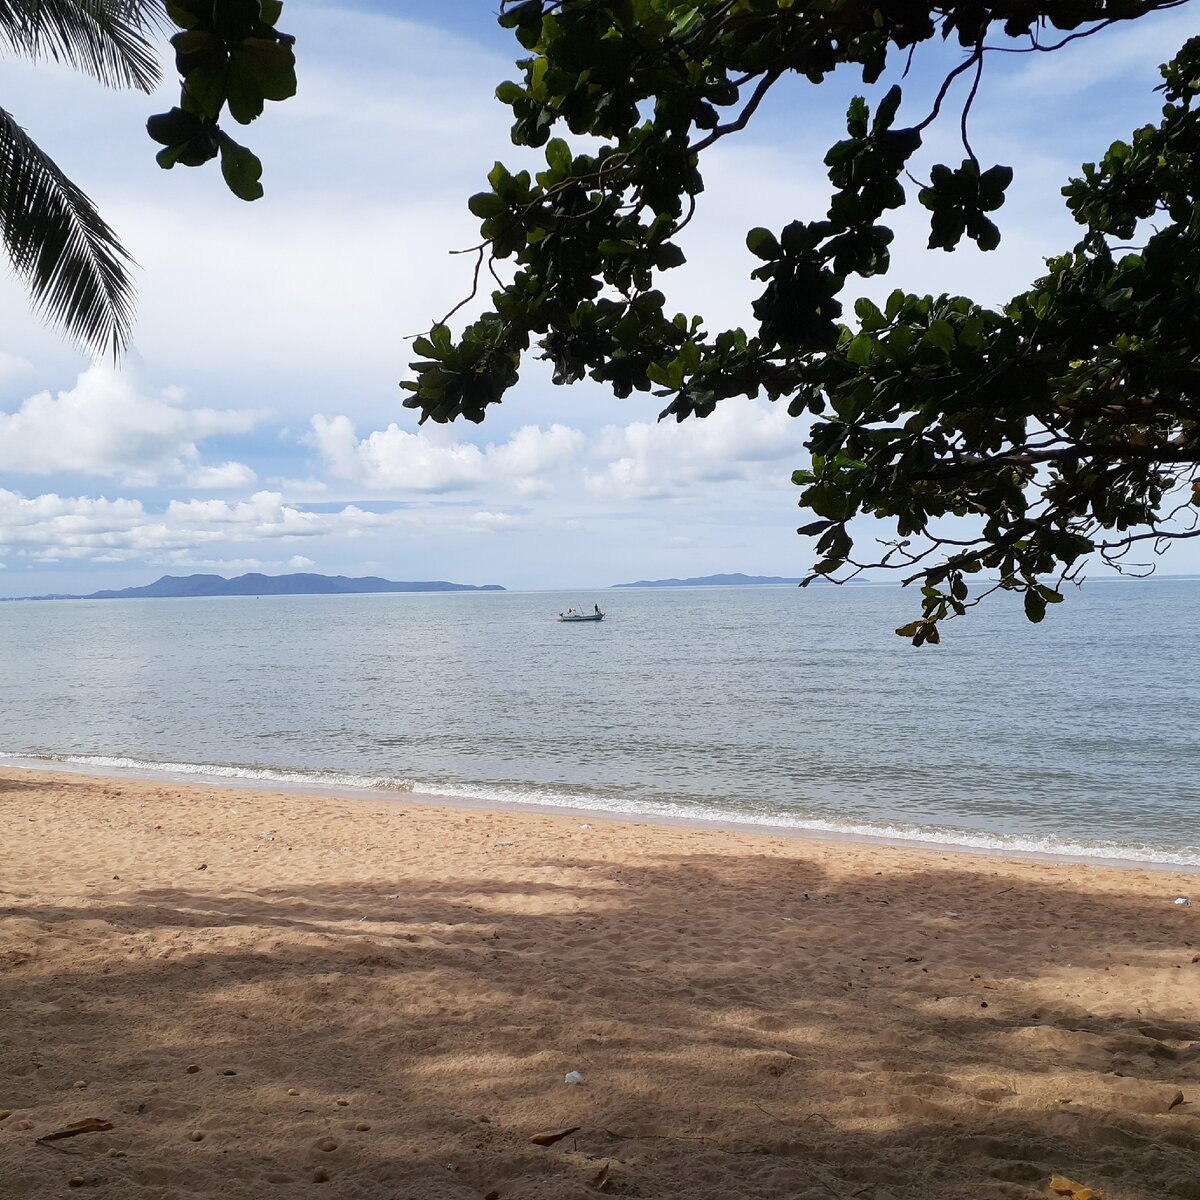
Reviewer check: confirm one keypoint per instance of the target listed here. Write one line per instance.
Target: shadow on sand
(844, 1042)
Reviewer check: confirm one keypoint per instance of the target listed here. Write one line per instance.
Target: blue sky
(257, 423)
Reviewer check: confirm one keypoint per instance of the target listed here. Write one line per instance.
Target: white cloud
(264, 515)
(495, 521)
(433, 461)
(300, 489)
(51, 527)
(227, 475)
(13, 368)
(394, 459)
(107, 425)
(653, 460)
(230, 566)
(643, 460)
(205, 534)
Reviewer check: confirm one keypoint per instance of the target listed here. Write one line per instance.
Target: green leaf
(939, 334)
(869, 315)
(486, 204)
(206, 84)
(856, 117)
(244, 95)
(687, 23)
(559, 156)
(234, 19)
(860, 349)
(885, 112)
(174, 127)
(241, 170)
(994, 182)
(270, 64)
(182, 15)
(668, 255)
(762, 244)
(985, 234)
(813, 528)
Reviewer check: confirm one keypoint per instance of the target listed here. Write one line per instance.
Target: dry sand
(753, 1016)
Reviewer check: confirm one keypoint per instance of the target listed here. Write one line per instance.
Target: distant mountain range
(304, 584)
(709, 581)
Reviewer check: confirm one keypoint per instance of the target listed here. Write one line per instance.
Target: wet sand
(259, 989)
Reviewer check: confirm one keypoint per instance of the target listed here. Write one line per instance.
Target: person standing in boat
(597, 610)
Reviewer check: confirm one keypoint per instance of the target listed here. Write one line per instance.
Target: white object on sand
(1182, 901)
(572, 1077)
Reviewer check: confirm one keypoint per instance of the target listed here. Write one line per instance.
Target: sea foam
(286, 775)
(658, 809)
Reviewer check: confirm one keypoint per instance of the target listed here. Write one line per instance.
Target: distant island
(710, 581)
(303, 584)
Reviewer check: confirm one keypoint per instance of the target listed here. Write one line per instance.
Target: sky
(256, 423)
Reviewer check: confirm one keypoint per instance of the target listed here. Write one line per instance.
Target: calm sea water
(768, 705)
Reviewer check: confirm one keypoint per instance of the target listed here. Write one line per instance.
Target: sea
(759, 706)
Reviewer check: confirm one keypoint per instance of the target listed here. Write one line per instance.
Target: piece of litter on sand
(572, 1077)
(1182, 901)
(950, 914)
(585, 826)
(1062, 1186)
(505, 843)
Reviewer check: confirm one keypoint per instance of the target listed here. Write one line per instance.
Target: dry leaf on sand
(90, 1125)
(553, 1135)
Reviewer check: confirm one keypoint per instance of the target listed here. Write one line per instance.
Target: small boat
(575, 614)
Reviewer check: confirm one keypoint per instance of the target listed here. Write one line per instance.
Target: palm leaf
(77, 271)
(106, 39)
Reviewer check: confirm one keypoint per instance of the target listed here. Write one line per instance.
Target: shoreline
(404, 796)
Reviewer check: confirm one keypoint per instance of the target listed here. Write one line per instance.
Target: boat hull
(583, 617)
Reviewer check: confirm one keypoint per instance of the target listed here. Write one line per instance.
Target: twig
(793, 1124)
(656, 1137)
(764, 86)
(966, 112)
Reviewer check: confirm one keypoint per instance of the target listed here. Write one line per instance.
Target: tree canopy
(229, 56)
(231, 59)
(74, 265)
(1058, 426)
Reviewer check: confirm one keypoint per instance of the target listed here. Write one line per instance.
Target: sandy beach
(270, 995)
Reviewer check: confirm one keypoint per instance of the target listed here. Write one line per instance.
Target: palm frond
(76, 269)
(107, 39)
